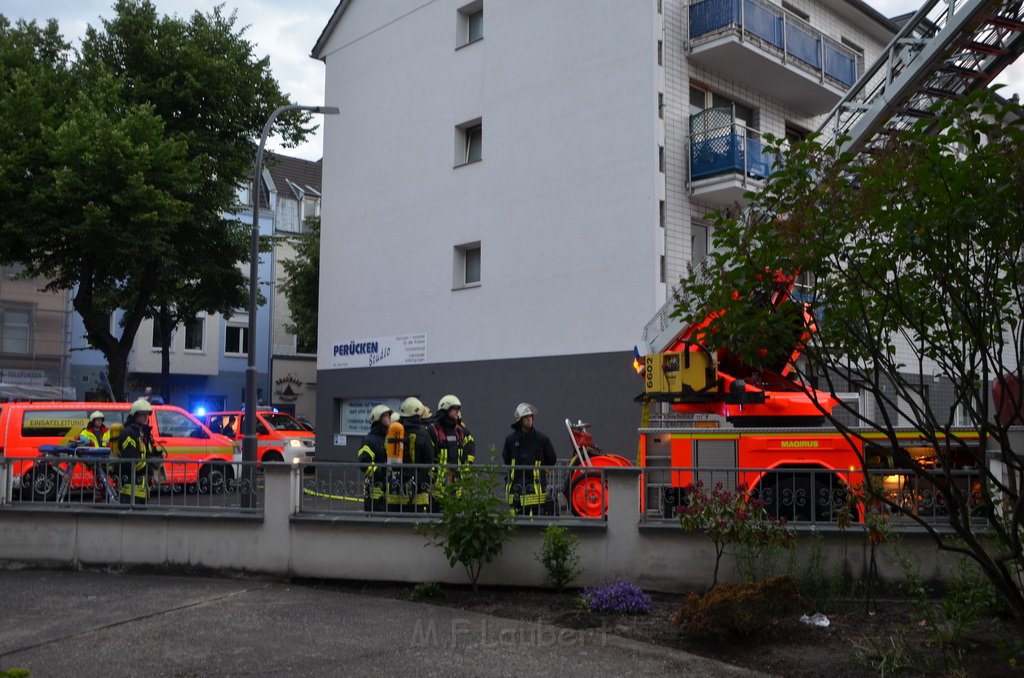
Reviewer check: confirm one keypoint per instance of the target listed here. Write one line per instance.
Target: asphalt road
(67, 623)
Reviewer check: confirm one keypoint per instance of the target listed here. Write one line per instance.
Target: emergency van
(201, 455)
(280, 436)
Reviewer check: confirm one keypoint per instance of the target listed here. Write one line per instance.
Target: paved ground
(64, 623)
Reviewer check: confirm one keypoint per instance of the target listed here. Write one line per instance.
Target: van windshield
(282, 422)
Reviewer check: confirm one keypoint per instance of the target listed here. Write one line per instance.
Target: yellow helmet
(378, 412)
(412, 407)
(448, 402)
(140, 405)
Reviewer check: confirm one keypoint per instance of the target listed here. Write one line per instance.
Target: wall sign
(403, 349)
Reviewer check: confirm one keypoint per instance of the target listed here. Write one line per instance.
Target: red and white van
(280, 436)
(25, 426)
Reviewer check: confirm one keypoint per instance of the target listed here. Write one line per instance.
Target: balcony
(770, 50)
(727, 159)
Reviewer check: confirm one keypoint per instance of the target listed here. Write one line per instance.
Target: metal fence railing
(86, 480)
(802, 496)
(410, 490)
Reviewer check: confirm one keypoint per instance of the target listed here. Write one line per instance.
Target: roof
(321, 42)
(303, 175)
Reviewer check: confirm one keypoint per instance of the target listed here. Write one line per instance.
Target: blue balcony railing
(776, 28)
(728, 148)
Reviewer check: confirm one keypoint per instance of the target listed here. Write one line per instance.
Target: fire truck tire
(214, 478)
(272, 455)
(796, 496)
(588, 495)
(41, 484)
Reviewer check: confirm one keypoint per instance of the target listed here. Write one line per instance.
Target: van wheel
(41, 484)
(214, 478)
(272, 455)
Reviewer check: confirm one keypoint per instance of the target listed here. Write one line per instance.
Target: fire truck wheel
(796, 497)
(272, 455)
(588, 495)
(41, 484)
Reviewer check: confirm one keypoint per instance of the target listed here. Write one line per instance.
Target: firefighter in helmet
(137, 446)
(418, 449)
(526, 451)
(373, 458)
(96, 434)
(454, 444)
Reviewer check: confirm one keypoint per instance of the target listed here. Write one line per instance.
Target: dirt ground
(785, 646)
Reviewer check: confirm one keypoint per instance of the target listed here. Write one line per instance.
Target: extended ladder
(947, 50)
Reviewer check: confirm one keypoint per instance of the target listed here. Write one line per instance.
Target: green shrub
(475, 523)
(424, 590)
(885, 657)
(559, 557)
(730, 610)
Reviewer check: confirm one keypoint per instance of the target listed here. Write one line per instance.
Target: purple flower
(620, 597)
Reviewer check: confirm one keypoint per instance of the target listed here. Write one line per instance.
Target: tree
(914, 259)
(124, 157)
(301, 285)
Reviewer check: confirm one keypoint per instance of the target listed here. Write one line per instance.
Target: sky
(286, 30)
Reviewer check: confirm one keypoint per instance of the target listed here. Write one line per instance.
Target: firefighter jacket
(89, 437)
(373, 459)
(419, 449)
(526, 451)
(136, 444)
(453, 442)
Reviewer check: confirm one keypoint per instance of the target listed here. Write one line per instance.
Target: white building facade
(512, 187)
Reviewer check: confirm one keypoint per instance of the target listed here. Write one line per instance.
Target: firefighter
(136, 443)
(529, 450)
(373, 457)
(453, 443)
(96, 435)
(419, 449)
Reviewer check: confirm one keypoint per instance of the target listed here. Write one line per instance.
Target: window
(661, 266)
(467, 266)
(661, 159)
(236, 337)
(194, 331)
(310, 207)
(698, 244)
(469, 24)
(17, 327)
(156, 335)
(469, 138)
(661, 105)
(243, 195)
(794, 10)
(660, 50)
(661, 213)
(173, 424)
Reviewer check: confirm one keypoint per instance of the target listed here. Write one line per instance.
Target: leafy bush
(475, 523)
(559, 557)
(732, 518)
(621, 597)
(738, 609)
(424, 590)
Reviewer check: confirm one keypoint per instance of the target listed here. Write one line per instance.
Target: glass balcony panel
(763, 22)
(710, 15)
(803, 45)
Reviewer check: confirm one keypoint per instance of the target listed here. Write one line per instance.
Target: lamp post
(249, 438)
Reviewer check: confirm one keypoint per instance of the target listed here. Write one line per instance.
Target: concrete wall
(283, 542)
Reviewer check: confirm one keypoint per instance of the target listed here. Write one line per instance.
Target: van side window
(49, 423)
(177, 425)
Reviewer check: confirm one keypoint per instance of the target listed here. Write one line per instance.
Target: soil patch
(784, 646)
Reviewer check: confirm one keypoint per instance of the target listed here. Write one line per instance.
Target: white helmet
(96, 415)
(140, 405)
(524, 410)
(378, 412)
(448, 402)
(412, 407)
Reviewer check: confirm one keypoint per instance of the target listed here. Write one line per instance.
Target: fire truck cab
(280, 437)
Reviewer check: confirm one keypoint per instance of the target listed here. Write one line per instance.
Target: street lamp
(249, 437)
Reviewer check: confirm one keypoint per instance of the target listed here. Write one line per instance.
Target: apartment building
(512, 188)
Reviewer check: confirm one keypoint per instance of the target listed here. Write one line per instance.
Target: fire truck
(721, 420)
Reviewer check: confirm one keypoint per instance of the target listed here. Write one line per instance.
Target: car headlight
(295, 442)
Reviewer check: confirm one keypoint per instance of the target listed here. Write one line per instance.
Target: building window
(661, 268)
(796, 10)
(236, 338)
(243, 195)
(661, 159)
(469, 139)
(661, 105)
(194, 331)
(469, 24)
(661, 213)
(467, 266)
(310, 207)
(698, 244)
(660, 50)
(17, 326)
(156, 335)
